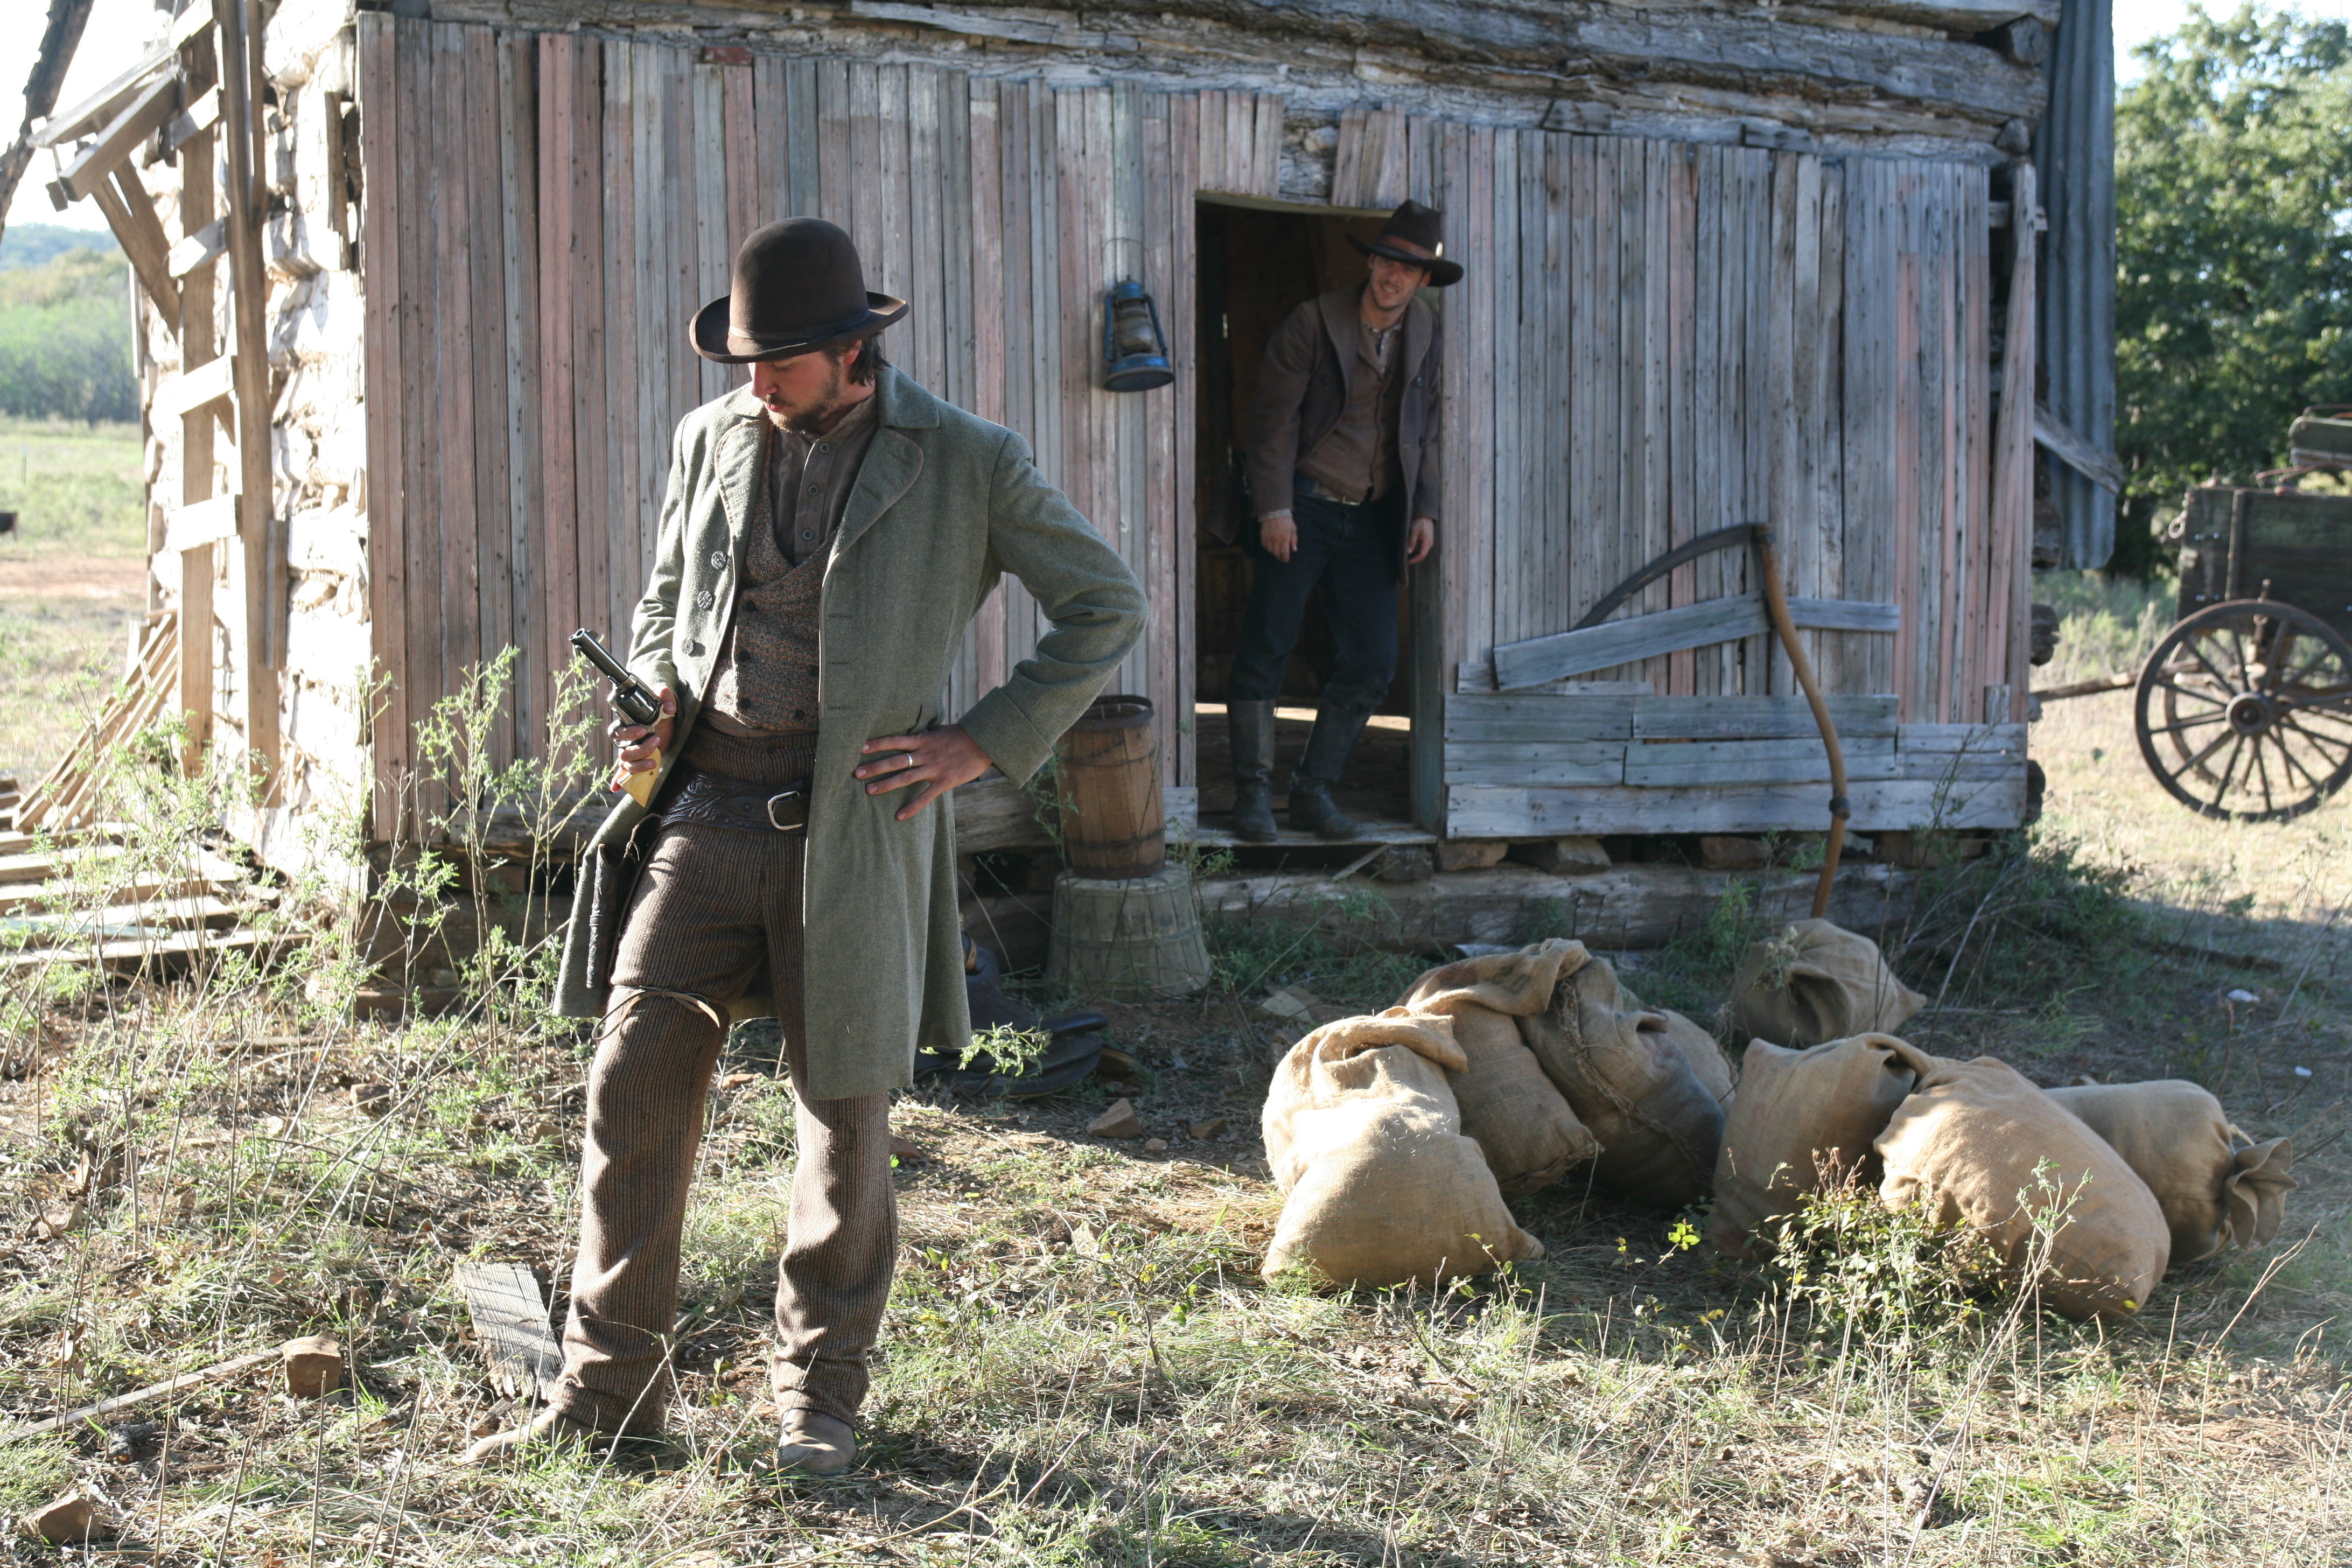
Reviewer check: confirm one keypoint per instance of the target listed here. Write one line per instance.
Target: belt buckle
(789, 794)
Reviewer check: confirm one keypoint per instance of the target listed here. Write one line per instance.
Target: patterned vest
(766, 678)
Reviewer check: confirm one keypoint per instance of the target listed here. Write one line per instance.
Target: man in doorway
(828, 529)
(1343, 449)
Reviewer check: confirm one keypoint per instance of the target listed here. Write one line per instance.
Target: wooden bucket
(1113, 823)
(1129, 939)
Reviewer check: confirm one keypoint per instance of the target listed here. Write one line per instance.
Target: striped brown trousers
(713, 907)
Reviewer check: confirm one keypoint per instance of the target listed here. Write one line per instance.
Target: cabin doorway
(1258, 263)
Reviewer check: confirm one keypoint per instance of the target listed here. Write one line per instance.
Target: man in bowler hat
(828, 531)
(1344, 468)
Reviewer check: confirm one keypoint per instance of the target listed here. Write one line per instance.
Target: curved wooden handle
(1776, 602)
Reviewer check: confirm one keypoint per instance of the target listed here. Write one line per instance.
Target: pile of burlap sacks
(1397, 1140)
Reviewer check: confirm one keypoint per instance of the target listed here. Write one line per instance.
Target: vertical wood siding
(1654, 340)
(1664, 339)
(533, 279)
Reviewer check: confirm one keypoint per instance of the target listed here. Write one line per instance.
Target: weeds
(1010, 1052)
(1249, 956)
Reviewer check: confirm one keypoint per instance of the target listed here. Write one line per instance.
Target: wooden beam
(131, 216)
(140, 119)
(200, 523)
(2077, 453)
(1727, 619)
(189, 28)
(199, 388)
(1951, 16)
(198, 117)
(254, 580)
(979, 23)
(202, 248)
(108, 102)
(198, 347)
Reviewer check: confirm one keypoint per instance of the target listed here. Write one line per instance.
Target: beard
(822, 407)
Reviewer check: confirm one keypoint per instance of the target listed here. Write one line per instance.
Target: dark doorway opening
(1256, 264)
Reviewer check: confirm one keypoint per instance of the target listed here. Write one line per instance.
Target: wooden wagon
(2244, 709)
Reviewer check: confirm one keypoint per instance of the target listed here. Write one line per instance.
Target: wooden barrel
(1128, 938)
(1113, 823)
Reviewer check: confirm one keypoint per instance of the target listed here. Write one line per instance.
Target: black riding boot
(1338, 725)
(1251, 727)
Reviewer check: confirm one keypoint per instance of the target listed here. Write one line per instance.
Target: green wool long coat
(945, 504)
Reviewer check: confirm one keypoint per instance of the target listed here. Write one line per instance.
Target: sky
(118, 29)
(118, 32)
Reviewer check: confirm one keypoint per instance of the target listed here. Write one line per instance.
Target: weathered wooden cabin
(411, 388)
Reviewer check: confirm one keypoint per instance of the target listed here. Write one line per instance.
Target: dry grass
(1080, 1363)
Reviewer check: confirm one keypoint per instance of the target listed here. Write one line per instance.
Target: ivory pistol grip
(641, 785)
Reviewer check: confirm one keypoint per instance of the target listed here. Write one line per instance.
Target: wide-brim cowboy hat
(797, 287)
(1420, 226)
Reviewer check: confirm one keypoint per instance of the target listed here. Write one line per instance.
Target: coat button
(718, 560)
(703, 600)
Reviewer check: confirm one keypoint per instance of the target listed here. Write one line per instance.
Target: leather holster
(612, 875)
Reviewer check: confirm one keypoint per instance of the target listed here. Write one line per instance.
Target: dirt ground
(120, 585)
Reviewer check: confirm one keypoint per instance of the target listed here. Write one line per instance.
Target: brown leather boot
(548, 1429)
(815, 1444)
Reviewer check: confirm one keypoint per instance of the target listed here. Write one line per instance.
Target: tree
(2233, 252)
(59, 38)
(65, 339)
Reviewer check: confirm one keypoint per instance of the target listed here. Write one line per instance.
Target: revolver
(638, 704)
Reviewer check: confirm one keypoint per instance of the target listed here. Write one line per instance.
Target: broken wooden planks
(180, 950)
(1727, 619)
(67, 797)
(510, 1319)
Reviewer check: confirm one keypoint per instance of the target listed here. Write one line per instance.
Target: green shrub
(65, 340)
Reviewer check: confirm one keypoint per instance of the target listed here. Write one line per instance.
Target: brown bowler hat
(1416, 226)
(797, 287)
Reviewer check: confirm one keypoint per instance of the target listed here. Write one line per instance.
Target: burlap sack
(2215, 1187)
(1380, 1187)
(1803, 1121)
(1627, 1080)
(1814, 983)
(1698, 1046)
(1509, 1108)
(1966, 1144)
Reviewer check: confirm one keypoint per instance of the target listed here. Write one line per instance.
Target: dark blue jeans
(1350, 553)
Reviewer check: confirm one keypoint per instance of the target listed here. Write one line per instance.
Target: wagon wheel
(2244, 710)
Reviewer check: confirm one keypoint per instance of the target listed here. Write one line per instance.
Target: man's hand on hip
(639, 743)
(939, 760)
(1419, 541)
(1279, 536)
